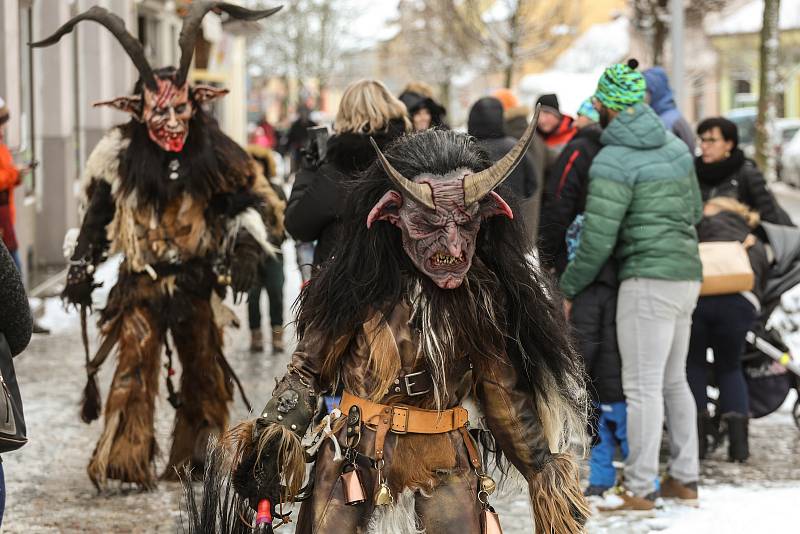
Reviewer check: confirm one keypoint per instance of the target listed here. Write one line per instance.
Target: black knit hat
(549, 102)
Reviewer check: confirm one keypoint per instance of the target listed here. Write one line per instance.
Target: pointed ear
(386, 209)
(128, 104)
(207, 93)
(493, 204)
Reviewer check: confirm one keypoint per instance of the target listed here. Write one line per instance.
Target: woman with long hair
(367, 110)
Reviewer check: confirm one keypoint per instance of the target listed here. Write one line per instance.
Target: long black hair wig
(371, 271)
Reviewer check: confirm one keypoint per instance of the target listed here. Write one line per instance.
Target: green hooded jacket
(643, 204)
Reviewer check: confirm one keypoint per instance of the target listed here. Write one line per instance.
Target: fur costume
(431, 299)
(188, 210)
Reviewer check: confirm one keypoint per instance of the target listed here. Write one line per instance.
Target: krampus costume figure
(186, 207)
(430, 299)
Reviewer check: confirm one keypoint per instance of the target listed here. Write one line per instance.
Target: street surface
(49, 491)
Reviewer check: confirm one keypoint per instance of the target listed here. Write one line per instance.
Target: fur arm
(91, 246)
(526, 438)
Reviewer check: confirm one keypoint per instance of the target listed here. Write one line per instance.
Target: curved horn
(478, 185)
(117, 27)
(191, 28)
(420, 192)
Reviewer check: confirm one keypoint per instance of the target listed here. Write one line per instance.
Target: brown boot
(672, 488)
(256, 340)
(277, 339)
(623, 499)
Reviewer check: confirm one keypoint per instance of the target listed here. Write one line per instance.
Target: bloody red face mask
(167, 113)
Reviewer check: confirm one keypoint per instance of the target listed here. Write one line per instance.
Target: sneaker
(623, 500)
(256, 340)
(672, 488)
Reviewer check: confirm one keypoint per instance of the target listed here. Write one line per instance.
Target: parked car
(787, 130)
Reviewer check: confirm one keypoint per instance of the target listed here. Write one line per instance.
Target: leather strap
(402, 419)
(384, 423)
(474, 459)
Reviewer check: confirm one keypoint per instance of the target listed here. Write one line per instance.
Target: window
(742, 87)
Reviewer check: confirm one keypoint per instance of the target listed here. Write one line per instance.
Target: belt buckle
(396, 409)
(409, 384)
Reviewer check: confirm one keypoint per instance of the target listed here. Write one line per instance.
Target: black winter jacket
(739, 178)
(16, 323)
(594, 323)
(564, 197)
(485, 123)
(729, 226)
(318, 196)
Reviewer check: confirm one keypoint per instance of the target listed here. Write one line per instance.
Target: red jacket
(9, 179)
(561, 135)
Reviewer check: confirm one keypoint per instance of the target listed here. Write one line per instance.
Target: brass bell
(488, 484)
(384, 495)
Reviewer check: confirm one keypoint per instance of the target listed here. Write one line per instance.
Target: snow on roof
(602, 44)
(575, 72)
(748, 17)
(572, 88)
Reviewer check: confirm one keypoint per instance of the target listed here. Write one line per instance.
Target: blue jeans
(612, 429)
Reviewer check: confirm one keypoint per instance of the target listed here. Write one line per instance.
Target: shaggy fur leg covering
(127, 447)
(397, 518)
(205, 394)
(559, 506)
(262, 465)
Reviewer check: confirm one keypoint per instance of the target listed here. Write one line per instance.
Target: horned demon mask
(439, 216)
(167, 101)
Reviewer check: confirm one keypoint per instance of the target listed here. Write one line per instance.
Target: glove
(276, 436)
(80, 284)
(244, 268)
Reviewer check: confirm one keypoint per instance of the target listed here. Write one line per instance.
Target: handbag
(726, 268)
(12, 421)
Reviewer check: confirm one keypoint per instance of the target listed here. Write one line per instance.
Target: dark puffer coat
(318, 196)
(738, 177)
(594, 323)
(485, 123)
(564, 197)
(16, 323)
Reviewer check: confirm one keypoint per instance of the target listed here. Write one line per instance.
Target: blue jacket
(663, 103)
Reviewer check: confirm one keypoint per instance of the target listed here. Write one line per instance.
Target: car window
(788, 133)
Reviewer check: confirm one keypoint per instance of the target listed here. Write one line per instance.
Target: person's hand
(567, 309)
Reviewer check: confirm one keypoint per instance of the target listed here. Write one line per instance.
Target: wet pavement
(49, 491)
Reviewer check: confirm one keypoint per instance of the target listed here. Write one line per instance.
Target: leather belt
(406, 419)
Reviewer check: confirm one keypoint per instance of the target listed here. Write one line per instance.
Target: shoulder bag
(726, 268)
(12, 421)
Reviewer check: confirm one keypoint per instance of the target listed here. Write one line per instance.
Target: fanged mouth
(441, 259)
(173, 136)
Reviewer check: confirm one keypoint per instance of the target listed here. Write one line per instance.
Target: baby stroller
(770, 369)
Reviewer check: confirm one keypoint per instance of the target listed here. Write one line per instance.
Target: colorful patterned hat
(588, 111)
(621, 86)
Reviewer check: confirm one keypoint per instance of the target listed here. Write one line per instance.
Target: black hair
(728, 129)
(371, 272)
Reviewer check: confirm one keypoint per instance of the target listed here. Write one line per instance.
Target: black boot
(706, 434)
(738, 449)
